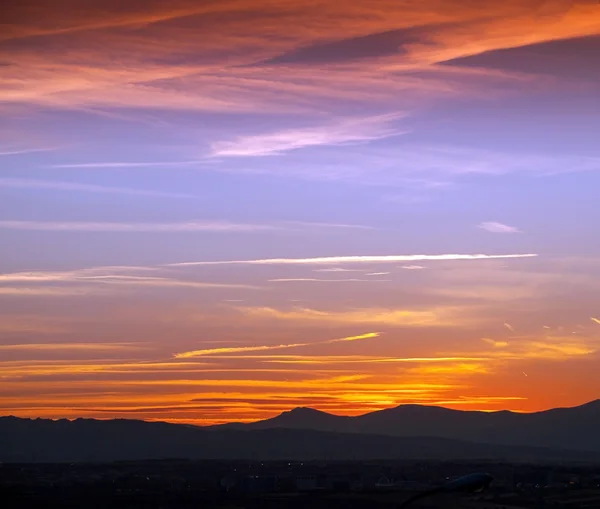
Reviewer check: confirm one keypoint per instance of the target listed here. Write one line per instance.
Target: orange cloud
(455, 369)
(435, 317)
(549, 348)
(172, 387)
(357, 359)
(494, 343)
(79, 68)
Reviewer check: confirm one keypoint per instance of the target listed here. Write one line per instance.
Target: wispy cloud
(358, 359)
(454, 369)
(509, 327)
(20, 291)
(242, 349)
(345, 131)
(447, 32)
(494, 343)
(187, 226)
(412, 267)
(341, 226)
(70, 22)
(87, 188)
(30, 324)
(128, 164)
(356, 259)
(317, 280)
(333, 360)
(415, 169)
(166, 283)
(595, 320)
(382, 316)
(548, 347)
(205, 82)
(495, 227)
(49, 276)
(74, 346)
(116, 276)
(338, 269)
(14, 152)
(175, 227)
(443, 161)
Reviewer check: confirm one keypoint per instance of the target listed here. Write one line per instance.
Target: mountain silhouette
(89, 440)
(569, 428)
(298, 418)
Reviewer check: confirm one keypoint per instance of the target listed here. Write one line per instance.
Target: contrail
(261, 348)
(354, 259)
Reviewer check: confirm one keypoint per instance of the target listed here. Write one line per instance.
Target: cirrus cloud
(495, 227)
(352, 130)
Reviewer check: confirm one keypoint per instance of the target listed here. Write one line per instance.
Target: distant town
(253, 484)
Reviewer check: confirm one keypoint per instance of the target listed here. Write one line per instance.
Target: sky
(219, 210)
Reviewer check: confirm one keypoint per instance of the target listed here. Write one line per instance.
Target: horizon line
(167, 421)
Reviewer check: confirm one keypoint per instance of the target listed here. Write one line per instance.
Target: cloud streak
(20, 291)
(16, 183)
(317, 280)
(74, 346)
(128, 164)
(15, 152)
(381, 316)
(332, 360)
(495, 227)
(346, 131)
(338, 269)
(262, 348)
(356, 259)
(108, 276)
(188, 226)
(176, 227)
(415, 167)
(51, 276)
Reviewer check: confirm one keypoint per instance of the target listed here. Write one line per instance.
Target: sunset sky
(219, 210)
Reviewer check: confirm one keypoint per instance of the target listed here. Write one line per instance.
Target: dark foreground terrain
(183, 484)
(89, 440)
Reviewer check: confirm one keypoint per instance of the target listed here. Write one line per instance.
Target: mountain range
(405, 432)
(569, 428)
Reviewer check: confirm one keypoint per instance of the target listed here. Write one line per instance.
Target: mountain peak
(414, 408)
(303, 410)
(301, 417)
(302, 414)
